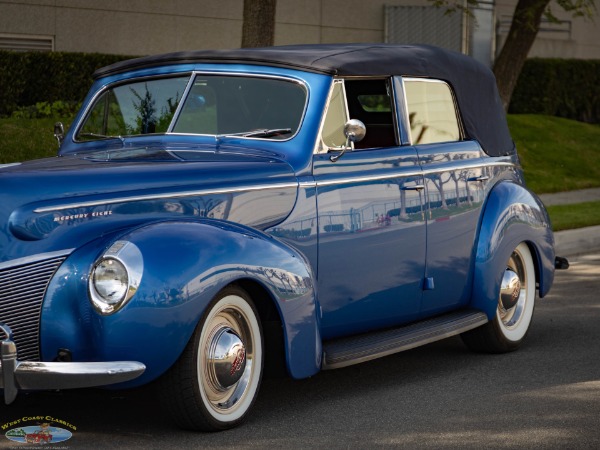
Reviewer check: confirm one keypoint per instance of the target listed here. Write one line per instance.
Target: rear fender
(185, 264)
(512, 215)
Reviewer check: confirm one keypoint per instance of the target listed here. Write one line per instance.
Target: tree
(523, 31)
(258, 29)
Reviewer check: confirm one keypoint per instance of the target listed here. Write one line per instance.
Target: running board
(365, 347)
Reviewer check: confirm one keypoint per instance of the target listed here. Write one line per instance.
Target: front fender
(512, 215)
(185, 264)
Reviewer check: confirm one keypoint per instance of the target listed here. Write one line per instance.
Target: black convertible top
(473, 83)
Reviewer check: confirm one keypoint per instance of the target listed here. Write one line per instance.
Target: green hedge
(558, 87)
(32, 77)
(567, 88)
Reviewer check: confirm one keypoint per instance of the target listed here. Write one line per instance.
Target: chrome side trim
(4, 166)
(412, 173)
(307, 184)
(182, 194)
(367, 178)
(35, 258)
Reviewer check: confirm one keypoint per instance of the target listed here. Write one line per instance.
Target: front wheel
(215, 381)
(514, 311)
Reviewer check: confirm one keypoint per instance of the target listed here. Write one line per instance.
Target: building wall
(139, 27)
(574, 38)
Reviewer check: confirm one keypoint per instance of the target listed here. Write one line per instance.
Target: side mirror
(59, 132)
(355, 131)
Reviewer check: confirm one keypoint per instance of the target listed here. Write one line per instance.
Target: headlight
(115, 277)
(110, 280)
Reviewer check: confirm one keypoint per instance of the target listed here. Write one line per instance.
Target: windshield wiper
(263, 132)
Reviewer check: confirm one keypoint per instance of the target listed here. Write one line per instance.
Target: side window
(336, 117)
(368, 100)
(431, 111)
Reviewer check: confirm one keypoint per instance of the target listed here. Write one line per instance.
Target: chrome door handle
(481, 178)
(417, 187)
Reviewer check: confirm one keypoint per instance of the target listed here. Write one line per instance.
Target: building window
(26, 43)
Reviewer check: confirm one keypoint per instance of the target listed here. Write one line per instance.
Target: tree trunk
(258, 29)
(523, 31)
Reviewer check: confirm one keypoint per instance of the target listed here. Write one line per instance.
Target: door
(455, 181)
(371, 219)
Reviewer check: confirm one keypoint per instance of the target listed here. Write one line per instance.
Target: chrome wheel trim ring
(229, 403)
(514, 321)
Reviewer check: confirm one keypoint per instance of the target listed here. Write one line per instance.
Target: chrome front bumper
(18, 375)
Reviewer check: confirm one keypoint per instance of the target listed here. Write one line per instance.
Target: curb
(578, 241)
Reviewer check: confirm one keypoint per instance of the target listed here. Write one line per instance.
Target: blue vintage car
(215, 214)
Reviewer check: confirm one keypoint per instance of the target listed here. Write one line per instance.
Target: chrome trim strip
(367, 178)
(406, 117)
(186, 92)
(307, 184)
(401, 110)
(413, 173)
(4, 166)
(182, 194)
(467, 165)
(35, 258)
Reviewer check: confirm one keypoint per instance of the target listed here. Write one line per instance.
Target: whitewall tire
(514, 310)
(216, 380)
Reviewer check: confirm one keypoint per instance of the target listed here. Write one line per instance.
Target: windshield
(258, 107)
(143, 107)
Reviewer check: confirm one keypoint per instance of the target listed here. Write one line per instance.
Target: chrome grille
(22, 290)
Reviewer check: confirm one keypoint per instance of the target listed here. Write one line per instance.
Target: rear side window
(431, 111)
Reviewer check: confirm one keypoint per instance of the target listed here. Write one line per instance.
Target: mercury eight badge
(215, 214)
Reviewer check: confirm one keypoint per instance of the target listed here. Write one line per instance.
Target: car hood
(77, 197)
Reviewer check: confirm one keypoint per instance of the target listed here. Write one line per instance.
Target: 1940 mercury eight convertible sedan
(214, 213)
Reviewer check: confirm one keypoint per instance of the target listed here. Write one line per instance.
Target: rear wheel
(514, 311)
(216, 380)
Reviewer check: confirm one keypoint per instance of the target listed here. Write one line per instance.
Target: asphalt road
(546, 395)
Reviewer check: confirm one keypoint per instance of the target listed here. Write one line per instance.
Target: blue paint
(379, 238)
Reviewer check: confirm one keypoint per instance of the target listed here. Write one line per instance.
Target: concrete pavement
(562, 198)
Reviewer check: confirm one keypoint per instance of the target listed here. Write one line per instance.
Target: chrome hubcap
(513, 292)
(510, 289)
(226, 358)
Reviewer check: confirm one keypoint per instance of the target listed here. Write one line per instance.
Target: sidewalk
(562, 198)
(582, 240)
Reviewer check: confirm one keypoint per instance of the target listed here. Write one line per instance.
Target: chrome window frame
(319, 139)
(115, 84)
(393, 109)
(461, 129)
(192, 76)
